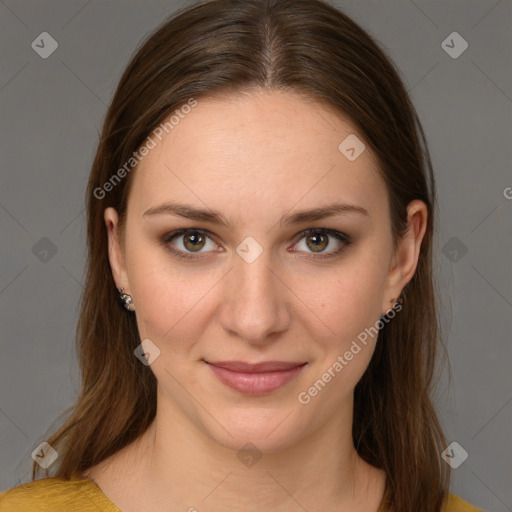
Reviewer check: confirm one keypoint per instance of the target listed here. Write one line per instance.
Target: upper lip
(265, 366)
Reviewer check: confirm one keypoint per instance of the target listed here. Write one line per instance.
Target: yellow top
(83, 495)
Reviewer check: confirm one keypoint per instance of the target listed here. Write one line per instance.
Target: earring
(126, 300)
(395, 303)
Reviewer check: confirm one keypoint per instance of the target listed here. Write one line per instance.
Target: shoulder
(456, 504)
(452, 504)
(50, 494)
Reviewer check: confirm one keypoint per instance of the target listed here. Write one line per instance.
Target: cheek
(170, 298)
(346, 299)
(349, 308)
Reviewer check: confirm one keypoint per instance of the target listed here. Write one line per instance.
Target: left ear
(405, 260)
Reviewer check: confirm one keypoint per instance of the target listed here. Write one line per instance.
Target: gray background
(51, 112)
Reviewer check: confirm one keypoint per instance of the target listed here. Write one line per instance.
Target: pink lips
(255, 379)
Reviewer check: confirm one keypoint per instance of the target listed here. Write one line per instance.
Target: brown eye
(194, 241)
(317, 242)
(190, 242)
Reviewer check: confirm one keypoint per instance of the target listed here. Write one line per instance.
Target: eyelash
(342, 237)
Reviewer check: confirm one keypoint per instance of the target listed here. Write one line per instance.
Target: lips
(266, 366)
(255, 379)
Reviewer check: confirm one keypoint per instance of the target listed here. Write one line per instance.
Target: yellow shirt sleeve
(455, 504)
(54, 494)
(83, 495)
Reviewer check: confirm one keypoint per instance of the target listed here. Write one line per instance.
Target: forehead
(260, 152)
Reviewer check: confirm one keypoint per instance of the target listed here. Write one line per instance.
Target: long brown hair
(230, 46)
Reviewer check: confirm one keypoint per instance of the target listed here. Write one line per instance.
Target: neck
(183, 466)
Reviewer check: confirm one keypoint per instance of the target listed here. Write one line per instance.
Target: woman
(262, 201)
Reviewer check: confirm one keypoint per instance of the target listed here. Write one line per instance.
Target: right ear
(115, 252)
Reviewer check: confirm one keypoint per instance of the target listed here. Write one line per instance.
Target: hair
(231, 47)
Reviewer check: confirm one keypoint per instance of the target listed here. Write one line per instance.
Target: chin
(269, 430)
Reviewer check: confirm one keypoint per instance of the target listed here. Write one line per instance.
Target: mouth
(255, 379)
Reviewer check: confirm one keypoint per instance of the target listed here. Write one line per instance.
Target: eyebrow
(208, 215)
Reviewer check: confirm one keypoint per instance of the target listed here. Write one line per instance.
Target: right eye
(184, 243)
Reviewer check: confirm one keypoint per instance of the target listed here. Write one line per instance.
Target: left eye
(317, 240)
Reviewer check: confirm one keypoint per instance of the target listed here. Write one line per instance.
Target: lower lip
(255, 383)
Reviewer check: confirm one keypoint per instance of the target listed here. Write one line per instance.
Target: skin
(241, 156)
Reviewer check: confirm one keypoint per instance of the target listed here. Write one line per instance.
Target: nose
(255, 304)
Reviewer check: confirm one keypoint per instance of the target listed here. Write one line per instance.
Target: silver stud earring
(126, 300)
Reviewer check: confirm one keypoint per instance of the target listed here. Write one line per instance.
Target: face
(225, 266)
